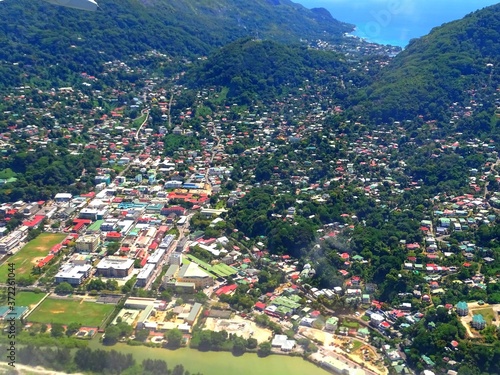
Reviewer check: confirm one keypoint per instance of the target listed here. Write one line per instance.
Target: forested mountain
(36, 35)
(439, 69)
(263, 70)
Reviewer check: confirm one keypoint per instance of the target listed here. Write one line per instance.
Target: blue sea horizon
(396, 22)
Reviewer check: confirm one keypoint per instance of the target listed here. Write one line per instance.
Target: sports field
(30, 254)
(28, 299)
(65, 311)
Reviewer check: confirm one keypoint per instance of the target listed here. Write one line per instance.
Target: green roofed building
(428, 361)
(193, 273)
(332, 324)
(285, 302)
(95, 226)
(17, 312)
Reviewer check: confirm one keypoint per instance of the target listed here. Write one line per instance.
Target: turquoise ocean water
(395, 22)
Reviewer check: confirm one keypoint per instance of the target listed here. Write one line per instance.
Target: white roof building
(73, 274)
(282, 342)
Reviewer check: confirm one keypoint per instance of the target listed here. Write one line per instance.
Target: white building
(281, 341)
(88, 243)
(73, 274)
(376, 319)
(115, 266)
(63, 197)
(146, 275)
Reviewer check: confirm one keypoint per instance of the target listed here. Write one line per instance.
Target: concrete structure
(115, 267)
(73, 274)
(87, 244)
(338, 367)
(146, 275)
(63, 197)
(376, 319)
(10, 241)
(146, 307)
(282, 342)
(192, 273)
(175, 258)
(158, 256)
(193, 314)
(138, 303)
(181, 245)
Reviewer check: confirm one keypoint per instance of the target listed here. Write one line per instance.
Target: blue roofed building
(478, 322)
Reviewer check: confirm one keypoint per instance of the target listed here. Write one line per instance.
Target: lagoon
(219, 363)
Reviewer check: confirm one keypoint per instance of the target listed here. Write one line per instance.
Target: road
(136, 137)
(214, 152)
(144, 111)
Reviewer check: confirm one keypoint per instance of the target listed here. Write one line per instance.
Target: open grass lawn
(28, 299)
(488, 314)
(349, 324)
(67, 311)
(29, 255)
(356, 345)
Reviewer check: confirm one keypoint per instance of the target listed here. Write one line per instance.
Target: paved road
(144, 111)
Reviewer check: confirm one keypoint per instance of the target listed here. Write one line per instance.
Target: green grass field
(356, 345)
(488, 314)
(29, 255)
(67, 311)
(28, 298)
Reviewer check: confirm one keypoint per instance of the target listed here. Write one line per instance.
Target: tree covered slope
(38, 35)
(438, 69)
(262, 70)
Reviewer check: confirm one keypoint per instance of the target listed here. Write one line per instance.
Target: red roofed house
(56, 248)
(226, 289)
(113, 236)
(45, 260)
(413, 246)
(261, 306)
(144, 260)
(385, 325)
(33, 223)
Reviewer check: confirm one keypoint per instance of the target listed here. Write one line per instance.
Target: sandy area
(315, 334)
(364, 355)
(239, 326)
(368, 357)
(24, 370)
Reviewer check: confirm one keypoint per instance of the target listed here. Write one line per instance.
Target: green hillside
(35, 36)
(438, 69)
(262, 70)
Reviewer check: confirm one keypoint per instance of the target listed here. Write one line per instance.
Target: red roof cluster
(45, 260)
(33, 223)
(56, 248)
(226, 289)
